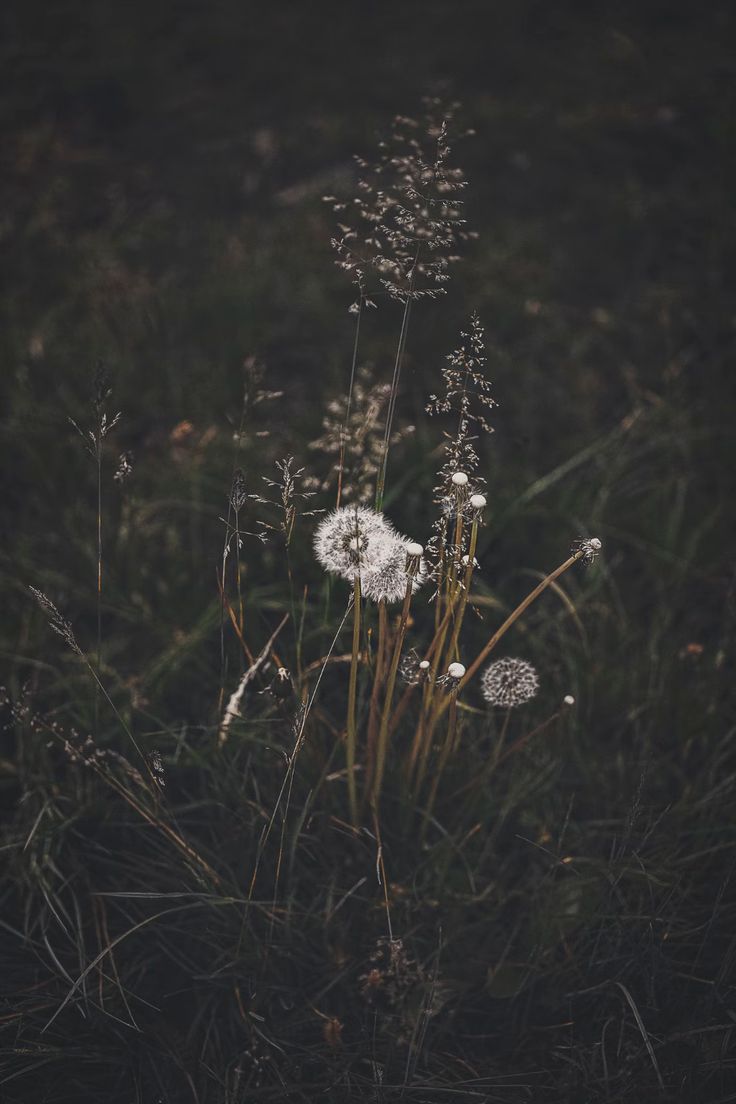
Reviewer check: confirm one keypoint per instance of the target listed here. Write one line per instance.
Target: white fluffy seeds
(460, 479)
(509, 682)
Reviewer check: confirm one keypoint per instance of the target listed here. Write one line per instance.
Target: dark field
(194, 915)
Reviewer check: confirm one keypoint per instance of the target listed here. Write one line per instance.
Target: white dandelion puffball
(477, 501)
(509, 682)
(460, 479)
(354, 540)
(387, 582)
(414, 549)
(456, 670)
(568, 700)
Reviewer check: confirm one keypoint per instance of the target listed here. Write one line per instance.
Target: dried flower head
(388, 581)
(355, 540)
(509, 682)
(56, 620)
(590, 548)
(467, 395)
(414, 670)
(353, 429)
(124, 469)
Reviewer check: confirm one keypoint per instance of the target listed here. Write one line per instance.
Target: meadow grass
(550, 915)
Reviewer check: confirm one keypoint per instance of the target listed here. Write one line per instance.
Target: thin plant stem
(98, 457)
(343, 435)
(465, 591)
(352, 698)
(388, 700)
(373, 717)
(510, 620)
(450, 738)
(381, 480)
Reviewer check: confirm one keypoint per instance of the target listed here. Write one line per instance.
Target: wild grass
(501, 904)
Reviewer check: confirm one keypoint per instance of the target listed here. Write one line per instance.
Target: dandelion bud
(589, 548)
(456, 670)
(477, 501)
(460, 479)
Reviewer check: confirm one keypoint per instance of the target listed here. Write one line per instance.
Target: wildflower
(509, 682)
(414, 670)
(355, 540)
(590, 548)
(388, 581)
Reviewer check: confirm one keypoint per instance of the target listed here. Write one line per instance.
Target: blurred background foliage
(161, 208)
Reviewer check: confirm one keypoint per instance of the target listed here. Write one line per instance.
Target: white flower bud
(460, 479)
(456, 670)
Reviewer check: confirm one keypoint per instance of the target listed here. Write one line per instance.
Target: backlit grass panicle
(400, 234)
(509, 682)
(288, 498)
(467, 396)
(57, 622)
(352, 437)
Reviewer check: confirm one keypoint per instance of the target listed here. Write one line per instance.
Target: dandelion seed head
(354, 540)
(477, 501)
(389, 580)
(424, 665)
(509, 682)
(414, 549)
(460, 479)
(568, 700)
(456, 670)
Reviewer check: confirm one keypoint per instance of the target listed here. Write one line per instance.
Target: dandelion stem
(373, 719)
(465, 591)
(514, 616)
(352, 697)
(450, 739)
(390, 685)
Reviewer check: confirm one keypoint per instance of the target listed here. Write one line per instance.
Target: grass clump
(398, 831)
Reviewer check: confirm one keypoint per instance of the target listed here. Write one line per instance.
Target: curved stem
(514, 616)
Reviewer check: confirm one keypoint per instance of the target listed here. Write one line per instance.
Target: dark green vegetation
(568, 929)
